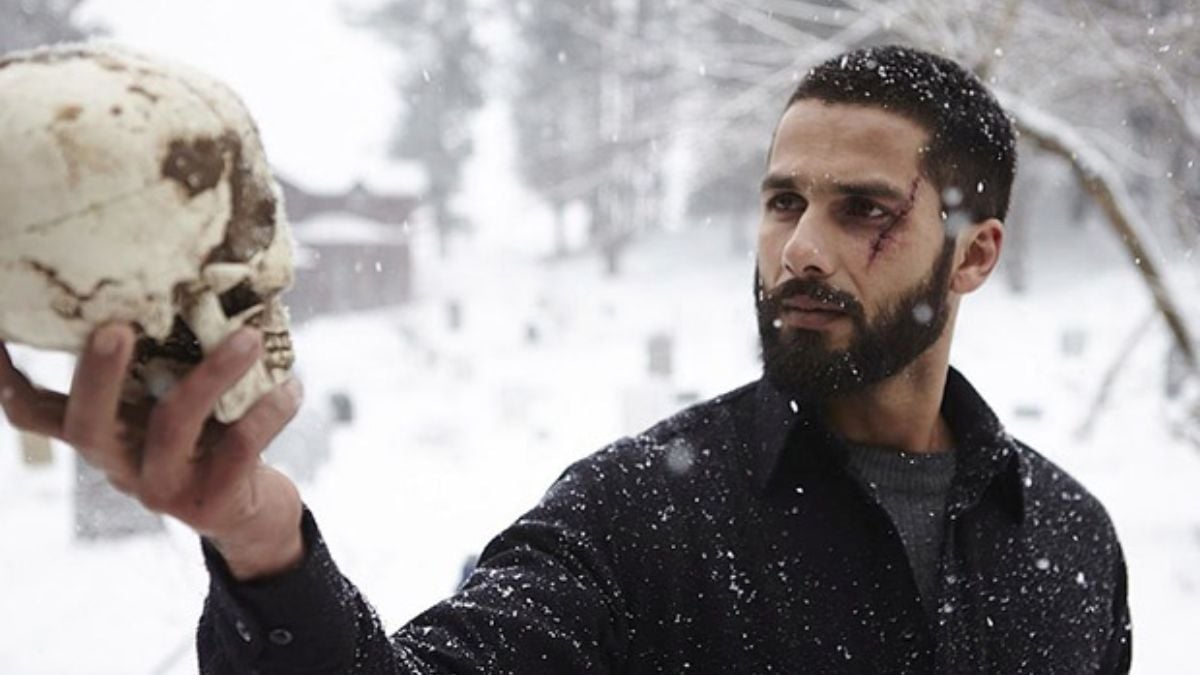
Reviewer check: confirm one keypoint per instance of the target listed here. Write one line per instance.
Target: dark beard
(797, 362)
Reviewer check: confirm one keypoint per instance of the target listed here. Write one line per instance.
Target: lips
(806, 304)
(807, 313)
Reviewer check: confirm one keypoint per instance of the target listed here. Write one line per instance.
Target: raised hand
(170, 455)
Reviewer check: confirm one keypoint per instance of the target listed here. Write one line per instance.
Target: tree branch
(1102, 181)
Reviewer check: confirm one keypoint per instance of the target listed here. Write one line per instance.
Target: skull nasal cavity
(196, 165)
(239, 299)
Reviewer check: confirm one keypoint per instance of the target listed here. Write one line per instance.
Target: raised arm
(545, 598)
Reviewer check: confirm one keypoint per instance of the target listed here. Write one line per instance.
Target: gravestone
(35, 449)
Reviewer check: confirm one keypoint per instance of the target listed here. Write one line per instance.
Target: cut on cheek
(886, 236)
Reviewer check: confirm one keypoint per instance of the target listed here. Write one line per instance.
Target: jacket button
(280, 636)
(242, 631)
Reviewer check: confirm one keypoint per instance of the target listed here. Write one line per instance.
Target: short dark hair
(972, 147)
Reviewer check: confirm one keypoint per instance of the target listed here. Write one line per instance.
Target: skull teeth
(279, 354)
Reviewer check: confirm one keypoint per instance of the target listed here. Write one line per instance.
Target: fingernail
(244, 341)
(107, 341)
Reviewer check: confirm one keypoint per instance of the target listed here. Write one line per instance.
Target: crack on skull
(143, 92)
(72, 308)
(44, 225)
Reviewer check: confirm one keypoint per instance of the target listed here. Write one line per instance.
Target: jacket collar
(789, 437)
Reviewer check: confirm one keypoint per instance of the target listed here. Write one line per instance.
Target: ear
(978, 253)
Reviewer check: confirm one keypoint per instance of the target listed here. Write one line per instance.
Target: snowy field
(456, 433)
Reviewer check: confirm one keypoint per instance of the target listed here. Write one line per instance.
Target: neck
(903, 411)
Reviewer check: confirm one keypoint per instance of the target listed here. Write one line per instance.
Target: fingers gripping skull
(136, 190)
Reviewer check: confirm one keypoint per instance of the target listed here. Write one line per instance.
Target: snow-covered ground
(456, 433)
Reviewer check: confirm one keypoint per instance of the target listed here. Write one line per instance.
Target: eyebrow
(867, 188)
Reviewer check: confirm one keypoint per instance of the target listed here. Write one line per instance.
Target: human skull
(135, 190)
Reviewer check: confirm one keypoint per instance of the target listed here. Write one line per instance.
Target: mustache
(813, 289)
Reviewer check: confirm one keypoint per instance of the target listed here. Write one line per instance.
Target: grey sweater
(912, 489)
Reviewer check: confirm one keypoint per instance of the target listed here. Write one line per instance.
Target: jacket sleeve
(544, 598)
(1118, 655)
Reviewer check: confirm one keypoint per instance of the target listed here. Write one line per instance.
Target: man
(858, 510)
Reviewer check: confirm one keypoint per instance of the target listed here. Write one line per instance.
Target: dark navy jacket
(728, 539)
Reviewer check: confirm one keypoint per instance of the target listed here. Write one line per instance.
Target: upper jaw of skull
(231, 295)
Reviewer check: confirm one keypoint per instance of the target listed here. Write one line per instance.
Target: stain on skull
(197, 165)
(68, 113)
(251, 227)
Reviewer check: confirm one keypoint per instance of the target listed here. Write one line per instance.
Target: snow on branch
(1130, 63)
(1102, 180)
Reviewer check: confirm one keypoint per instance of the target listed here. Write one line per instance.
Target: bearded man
(857, 510)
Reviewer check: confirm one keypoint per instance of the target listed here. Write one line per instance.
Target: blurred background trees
(440, 87)
(29, 23)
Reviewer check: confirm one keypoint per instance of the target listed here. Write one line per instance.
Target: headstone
(532, 333)
(343, 407)
(659, 349)
(35, 449)
(1073, 342)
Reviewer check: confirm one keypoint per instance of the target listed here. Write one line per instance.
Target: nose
(807, 252)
